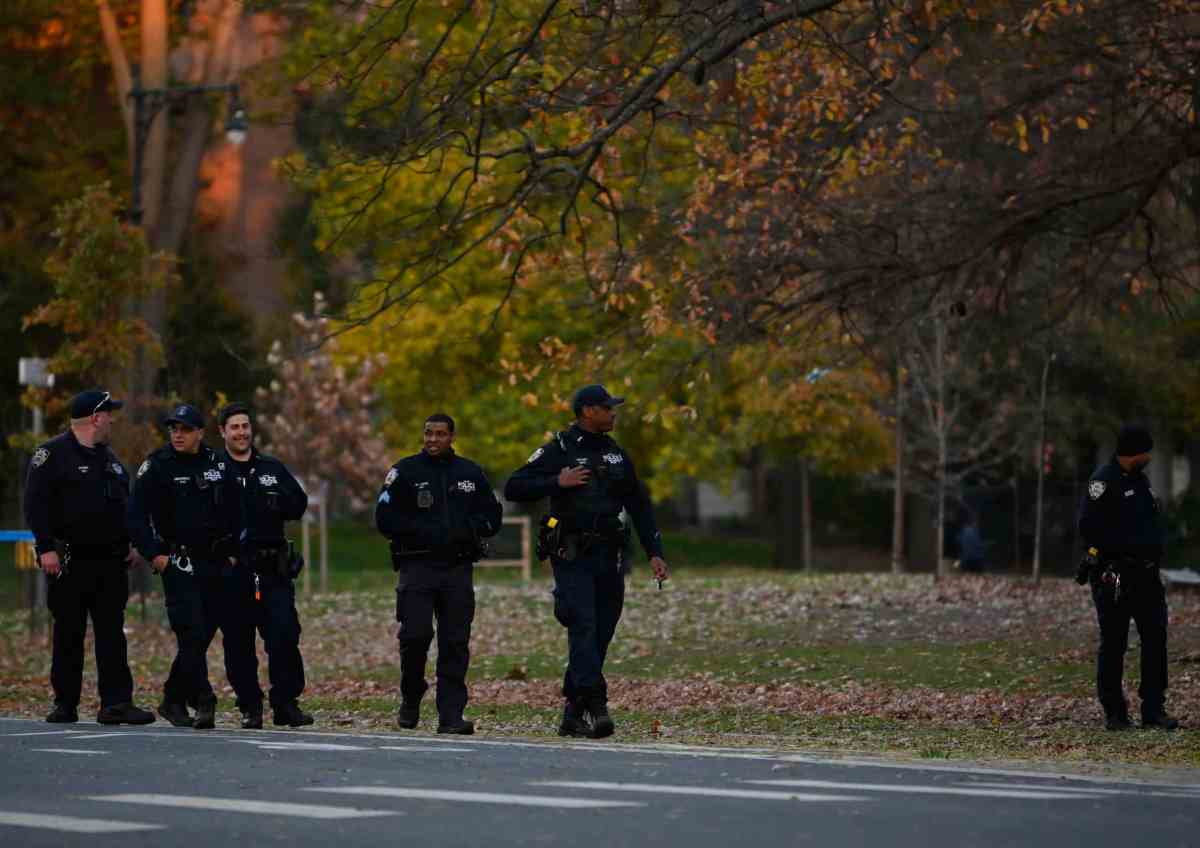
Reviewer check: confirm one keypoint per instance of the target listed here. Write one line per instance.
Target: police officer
(436, 507)
(1119, 523)
(184, 518)
(589, 480)
(75, 498)
(268, 496)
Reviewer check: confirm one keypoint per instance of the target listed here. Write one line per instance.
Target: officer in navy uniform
(589, 480)
(75, 497)
(268, 495)
(184, 518)
(436, 508)
(1120, 525)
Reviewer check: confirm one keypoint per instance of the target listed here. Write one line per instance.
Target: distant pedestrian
(436, 508)
(1120, 525)
(75, 498)
(589, 480)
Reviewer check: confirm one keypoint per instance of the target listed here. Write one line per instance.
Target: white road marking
(1133, 790)
(473, 797)
(421, 750)
(101, 735)
(44, 733)
(241, 805)
(68, 751)
(302, 746)
(906, 788)
(713, 791)
(72, 824)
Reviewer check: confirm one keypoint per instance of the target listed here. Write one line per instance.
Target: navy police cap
(594, 395)
(186, 414)
(86, 404)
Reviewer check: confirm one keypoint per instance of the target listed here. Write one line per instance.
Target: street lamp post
(148, 102)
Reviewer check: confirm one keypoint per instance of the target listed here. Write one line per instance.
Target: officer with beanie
(1121, 529)
(184, 518)
(589, 480)
(75, 498)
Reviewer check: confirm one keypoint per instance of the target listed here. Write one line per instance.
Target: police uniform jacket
(185, 500)
(1119, 515)
(596, 507)
(267, 495)
(434, 508)
(78, 495)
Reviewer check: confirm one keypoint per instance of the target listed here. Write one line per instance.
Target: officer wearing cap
(184, 519)
(75, 497)
(436, 507)
(1120, 526)
(589, 480)
(268, 496)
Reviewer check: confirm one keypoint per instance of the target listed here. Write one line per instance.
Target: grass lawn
(974, 667)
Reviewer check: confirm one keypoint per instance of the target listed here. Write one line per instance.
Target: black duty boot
(125, 713)
(602, 723)
(574, 719)
(206, 717)
(290, 715)
(409, 715)
(176, 713)
(1160, 720)
(252, 718)
(1117, 721)
(62, 715)
(462, 727)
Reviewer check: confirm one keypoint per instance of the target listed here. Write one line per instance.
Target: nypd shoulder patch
(1096, 489)
(39, 457)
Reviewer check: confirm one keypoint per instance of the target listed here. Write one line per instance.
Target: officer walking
(184, 518)
(589, 480)
(436, 507)
(1119, 523)
(268, 495)
(75, 498)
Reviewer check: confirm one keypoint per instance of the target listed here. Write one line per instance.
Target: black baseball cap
(1134, 439)
(185, 414)
(86, 404)
(594, 395)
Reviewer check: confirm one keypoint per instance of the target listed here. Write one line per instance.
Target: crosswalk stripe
(911, 789)
(68, 751)
(473, 797)
(714, 791)
(72, 824)
(241, 805)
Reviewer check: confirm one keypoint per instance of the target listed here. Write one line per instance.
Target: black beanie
(1134, 439)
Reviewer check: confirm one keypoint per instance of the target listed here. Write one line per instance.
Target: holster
(274, 560)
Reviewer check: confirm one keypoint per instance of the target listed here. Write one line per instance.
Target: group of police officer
(211, 523)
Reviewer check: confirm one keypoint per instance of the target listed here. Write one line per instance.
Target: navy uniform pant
(273, 616)
(98, 589)
(589, 594)
(426, 592)
(197, 606)
(1142, 599)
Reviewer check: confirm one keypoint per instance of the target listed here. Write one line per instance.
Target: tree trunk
(940, 355)
(1041, 478)
(806, 546)
(898, 492)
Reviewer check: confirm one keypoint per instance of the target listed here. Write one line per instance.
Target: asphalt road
(89, 785)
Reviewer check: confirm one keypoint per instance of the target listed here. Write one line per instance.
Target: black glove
(1089, 563)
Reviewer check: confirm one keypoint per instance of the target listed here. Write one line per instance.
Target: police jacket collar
(575, 433)
(445, 459)
(94, 449)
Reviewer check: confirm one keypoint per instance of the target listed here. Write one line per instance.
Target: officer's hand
(659, 566)
(569, 478)
(160, 563)
(49, 563)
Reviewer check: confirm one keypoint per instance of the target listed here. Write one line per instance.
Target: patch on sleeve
(39, 457)
(1096, 489)
(533, 457)
(386, 497)
(390, 478)
(143, 468)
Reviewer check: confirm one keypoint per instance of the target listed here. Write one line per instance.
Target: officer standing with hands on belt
(1120, 525)
(75, 497)
(589, 480)
(184, 518)
(268, 495)
(436, 508)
